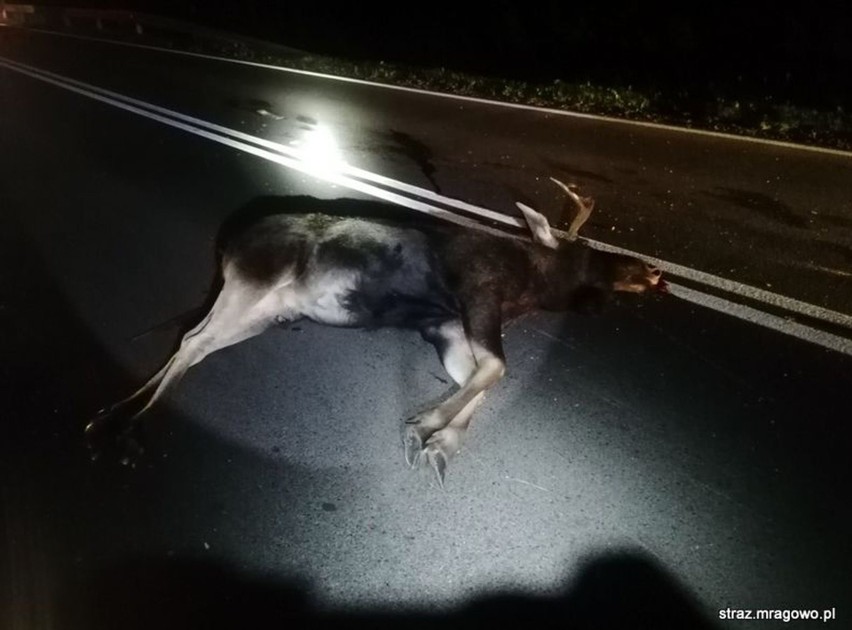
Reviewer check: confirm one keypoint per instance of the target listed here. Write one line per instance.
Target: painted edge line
(470, 99)
(774, 322)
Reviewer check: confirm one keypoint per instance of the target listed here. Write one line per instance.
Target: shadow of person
(54, 372)
(615, 590)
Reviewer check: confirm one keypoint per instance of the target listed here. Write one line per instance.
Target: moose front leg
(446, 442)
(478, 346)
(456, 354)
(459, 408)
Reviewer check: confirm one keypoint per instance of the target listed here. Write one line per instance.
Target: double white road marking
(447, 208)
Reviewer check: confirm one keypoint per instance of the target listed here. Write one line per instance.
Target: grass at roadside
(761, 117)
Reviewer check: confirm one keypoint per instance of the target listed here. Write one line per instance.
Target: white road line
(780, 324)
(724, 284)
(737, 288)
(470, 99)
(290, 162)
(275, 146)
(230, 137)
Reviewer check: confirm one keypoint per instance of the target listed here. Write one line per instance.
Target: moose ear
(539, 226)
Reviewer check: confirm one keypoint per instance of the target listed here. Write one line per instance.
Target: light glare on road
(319, 150)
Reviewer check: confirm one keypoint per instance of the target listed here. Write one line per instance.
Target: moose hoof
(111, 430)
(440, 448)
(413, 442)
(438, 462)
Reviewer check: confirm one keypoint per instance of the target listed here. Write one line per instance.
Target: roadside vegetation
(707, 109)
(762, 117)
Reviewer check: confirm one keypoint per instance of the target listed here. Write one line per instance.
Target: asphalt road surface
(645, 468)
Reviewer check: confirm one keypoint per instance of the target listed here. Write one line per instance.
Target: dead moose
(456, 286)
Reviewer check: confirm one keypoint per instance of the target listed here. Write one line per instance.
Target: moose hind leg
(240, 312)
(131, 404)
(235, 322)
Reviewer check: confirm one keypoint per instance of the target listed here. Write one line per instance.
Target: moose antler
(584, 207)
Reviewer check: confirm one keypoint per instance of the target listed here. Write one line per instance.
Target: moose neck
(566, 270)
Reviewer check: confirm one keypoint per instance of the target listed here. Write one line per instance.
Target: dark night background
(797, 52)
